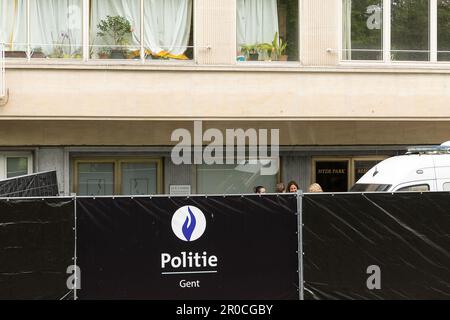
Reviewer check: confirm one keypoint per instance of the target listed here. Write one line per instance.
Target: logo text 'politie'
(188, 223)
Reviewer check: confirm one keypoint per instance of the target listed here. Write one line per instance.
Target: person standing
(292, 187)
(315, 187)
(281, 188)
(260, 189)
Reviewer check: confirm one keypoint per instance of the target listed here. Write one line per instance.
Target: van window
(416, 188)
(446, 186)
(363, 187)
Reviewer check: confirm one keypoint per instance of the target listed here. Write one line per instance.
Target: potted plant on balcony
(279, 48)
(118, 29)
(250, 52)
(37, 53)
(104, 53)
(265, 51)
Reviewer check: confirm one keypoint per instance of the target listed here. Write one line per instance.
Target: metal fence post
(300, 243)
(75, 250)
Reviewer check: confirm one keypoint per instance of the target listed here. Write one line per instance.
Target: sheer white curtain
(129, 9)
(13, 24)
(347, 30)
(167, 27)
(55, 27)
(257, 21)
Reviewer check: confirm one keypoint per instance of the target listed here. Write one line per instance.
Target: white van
(421, 169)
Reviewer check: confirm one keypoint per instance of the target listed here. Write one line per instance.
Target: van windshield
(367, 187)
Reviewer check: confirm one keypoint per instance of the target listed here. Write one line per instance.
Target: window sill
(244, 66)
(396, 65)
(269, 64)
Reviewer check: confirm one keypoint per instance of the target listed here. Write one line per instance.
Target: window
(168, 29)
(232, 179)
(415, 188)
(332, 174)
(361, 166)
(340, 173)
(267, 30)
(115, 29)
(13, 27)
(15, 164)
(125, 176)
(396, 30)
(56, 29)
(95, 178)
(139, 178)
(446, 186)
(363, 187)
(443, 27)
(118, 29)
(363, 30)
(410, 30)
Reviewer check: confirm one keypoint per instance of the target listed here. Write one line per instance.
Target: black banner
(36, 248)
(136, 248)
(377, 246)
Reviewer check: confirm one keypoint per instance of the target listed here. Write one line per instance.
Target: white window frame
(386, 29)
(86, 37)
(11, 154)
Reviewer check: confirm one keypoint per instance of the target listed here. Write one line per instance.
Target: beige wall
(284, 95)
(158, 133)
(319, 32)
(298, 98)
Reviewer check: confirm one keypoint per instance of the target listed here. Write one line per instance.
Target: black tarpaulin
(120, 242)
(407, 235)
(36, 247)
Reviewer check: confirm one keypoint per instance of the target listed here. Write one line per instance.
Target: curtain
(257, 21)
(13, 24)
(129, 9)
(55, 27)
(167, 27)
(167, 24)
(347, 30)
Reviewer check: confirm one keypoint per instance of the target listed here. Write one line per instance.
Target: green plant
(265, 47)
(248, 49)
(77, 54)
(57, 52)
(116, 28)
(104, 51)
(265, 51)
(279, 47)
(62, 46)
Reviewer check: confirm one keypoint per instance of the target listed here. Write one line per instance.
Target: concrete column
(319, 31)
(49, 159)
(215, 26)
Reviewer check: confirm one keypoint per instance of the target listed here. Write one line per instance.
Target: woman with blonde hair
(315, 187)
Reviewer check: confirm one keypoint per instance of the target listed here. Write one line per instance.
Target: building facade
(95, 89)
